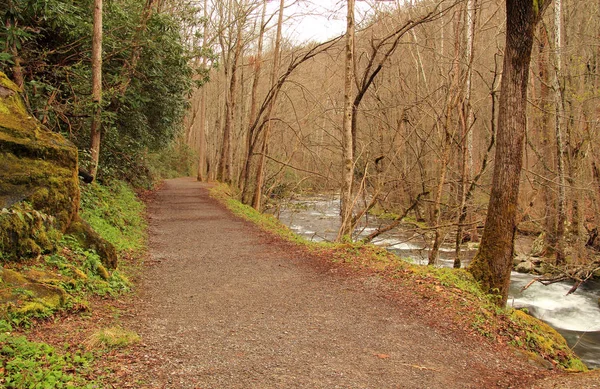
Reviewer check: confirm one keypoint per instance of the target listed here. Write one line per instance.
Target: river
(576, 316)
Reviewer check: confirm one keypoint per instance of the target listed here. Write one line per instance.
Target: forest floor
(223, 304)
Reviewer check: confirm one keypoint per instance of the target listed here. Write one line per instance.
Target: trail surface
(225, 305)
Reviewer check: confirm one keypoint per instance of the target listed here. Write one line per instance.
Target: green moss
(115, 212)
(25, 233)
(37, 166)
(537, 336)
(90, 239)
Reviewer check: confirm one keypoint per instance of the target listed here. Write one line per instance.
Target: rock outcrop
(39, 185)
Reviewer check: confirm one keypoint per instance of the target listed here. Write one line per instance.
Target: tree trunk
(260, 170)
(452, 100)
(95, 135)
(347, 136)
(493, 262)
(466, 167)
(245, 174)
(561, 208)
(202, 127)
(546, 135)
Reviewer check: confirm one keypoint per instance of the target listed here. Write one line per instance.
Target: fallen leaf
(382, 356)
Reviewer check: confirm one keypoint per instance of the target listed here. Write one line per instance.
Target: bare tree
(257, 198)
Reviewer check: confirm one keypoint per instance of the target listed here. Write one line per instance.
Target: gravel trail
(226, 305)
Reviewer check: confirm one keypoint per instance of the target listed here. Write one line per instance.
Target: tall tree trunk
(202, 125)
(546, 135)
(493, 262)
(561, 208)
(95, 135)
(260, 170)
(245, 174)
(467, 133)
(225, 161)
(452, 101)
(346, 205)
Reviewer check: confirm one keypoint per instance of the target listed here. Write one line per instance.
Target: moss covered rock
(38, 167)
(32, 294)
(90, 239)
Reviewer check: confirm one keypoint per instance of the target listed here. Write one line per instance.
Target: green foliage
(114, 211)
(142, 107)
(84, 272)
(177, 160)
(26, 364)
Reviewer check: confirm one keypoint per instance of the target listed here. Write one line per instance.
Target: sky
(317, 20)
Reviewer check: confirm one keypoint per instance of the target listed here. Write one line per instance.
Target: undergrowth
(451, 289)
(78, 274)
(114, 211)
(26, 364)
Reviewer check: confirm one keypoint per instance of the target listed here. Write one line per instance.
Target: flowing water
(576, 317)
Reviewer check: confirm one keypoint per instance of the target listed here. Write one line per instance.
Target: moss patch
(25, 232)
(29, 296)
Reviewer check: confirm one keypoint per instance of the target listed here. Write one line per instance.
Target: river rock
(525, 267)
(519, 258)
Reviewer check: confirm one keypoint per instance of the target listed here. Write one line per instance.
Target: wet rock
(524, 267)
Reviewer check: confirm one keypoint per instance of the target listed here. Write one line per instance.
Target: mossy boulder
(32, 294)
(89, 238)
(545, 341)
(39, 188)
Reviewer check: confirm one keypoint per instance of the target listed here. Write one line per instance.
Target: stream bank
(576, 316)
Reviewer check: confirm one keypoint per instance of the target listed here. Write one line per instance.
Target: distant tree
(493, 262)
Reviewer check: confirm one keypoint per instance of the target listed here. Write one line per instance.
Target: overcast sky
(322, 19)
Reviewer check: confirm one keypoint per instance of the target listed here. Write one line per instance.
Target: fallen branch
(578, 274)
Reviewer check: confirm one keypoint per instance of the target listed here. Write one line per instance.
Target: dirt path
(225, 305)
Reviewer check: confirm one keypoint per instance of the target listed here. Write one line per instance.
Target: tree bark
(245, 175)
(347, 133)
(95, 132)
(561, 208)
(493, 262)
(260, 170)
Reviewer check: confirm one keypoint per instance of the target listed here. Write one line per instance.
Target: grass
(115, 213)
(112, 338)
(452, 290)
